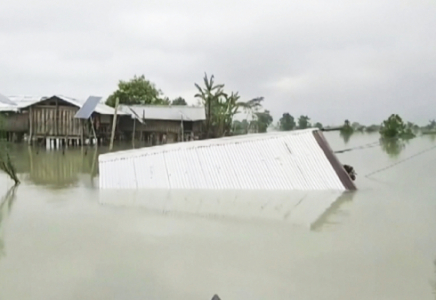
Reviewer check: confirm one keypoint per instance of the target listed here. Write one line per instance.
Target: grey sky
(331, 60)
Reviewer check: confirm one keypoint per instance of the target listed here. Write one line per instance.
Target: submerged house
(295, 160)
(13, 123)
(161, 124)
(53, 119)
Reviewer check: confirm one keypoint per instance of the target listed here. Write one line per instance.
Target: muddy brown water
(57, 241)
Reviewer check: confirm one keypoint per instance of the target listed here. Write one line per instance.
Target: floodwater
(58, 240)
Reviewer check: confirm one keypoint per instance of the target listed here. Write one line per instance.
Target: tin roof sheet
(164, 112)
(88, 108)
(273, 161)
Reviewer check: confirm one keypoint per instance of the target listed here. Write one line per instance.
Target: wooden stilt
(133, 133)
(114, 124)
(93, 131)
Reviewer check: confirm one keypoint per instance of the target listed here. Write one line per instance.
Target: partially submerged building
(294, 160)
(162, 124)
(52, 119)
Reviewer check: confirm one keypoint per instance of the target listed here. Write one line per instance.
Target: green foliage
(263, 120)
(431, 125)
(347, 128)
(137, 90)
(430, 128)
(287, 122)
(358, 127)
(412, 127)
(179, 101)
(240, 127)
(303, 122)
(394, 127)
(318, 125)
(372, 128)
(222, 107)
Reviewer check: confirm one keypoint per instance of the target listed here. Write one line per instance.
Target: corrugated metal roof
(6, 100)
(273, 161)
(101, 108)
(164, 112)
(26, 101)
(88, 107)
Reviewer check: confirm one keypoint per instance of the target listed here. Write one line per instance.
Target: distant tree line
(222, 106)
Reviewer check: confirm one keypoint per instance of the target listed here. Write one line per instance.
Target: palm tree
(222, 107)
(210, 96)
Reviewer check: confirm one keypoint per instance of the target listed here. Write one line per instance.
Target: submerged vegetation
(395, 128)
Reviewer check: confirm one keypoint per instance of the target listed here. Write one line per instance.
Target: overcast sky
(329, 59)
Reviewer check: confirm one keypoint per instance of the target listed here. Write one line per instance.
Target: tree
(394, 127)
(346, 131)
(263, 120)
(303, 122)
(372, 128)
(318, 125)
(237, 127)
(431, 125)
(137, 90)
(222, 107)
(179, 101)
(412, 127)
(357, 127)
(347, 128)
(287, 122)
(210, 96)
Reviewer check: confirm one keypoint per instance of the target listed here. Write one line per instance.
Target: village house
(54, 121)
(160, 124)
(51, 120)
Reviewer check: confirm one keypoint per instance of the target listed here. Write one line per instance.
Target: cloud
(360, 60)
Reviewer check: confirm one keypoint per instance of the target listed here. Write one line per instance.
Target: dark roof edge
(337, 166)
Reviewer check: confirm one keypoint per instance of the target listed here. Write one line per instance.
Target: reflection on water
(6, 203)
(346, 135)
(332, 216)
(56, 168)
(310, 209)
(434, 282)
(393, 147)
(431, 137)
(77, 243)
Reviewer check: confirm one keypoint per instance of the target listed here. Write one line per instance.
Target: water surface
(59, 241)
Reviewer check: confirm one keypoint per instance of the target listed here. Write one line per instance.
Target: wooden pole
(143, 124)
(183, 130)
(133, 134)
(93, 131)
(82, 129)
(114, 124)
(30, 137)
(56, 133)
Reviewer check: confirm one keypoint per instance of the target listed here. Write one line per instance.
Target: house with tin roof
(161, 124)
